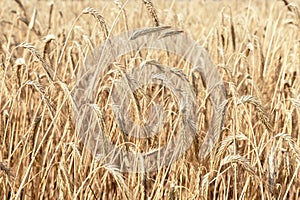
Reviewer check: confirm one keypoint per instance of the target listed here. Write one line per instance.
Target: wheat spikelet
(295, 102)
(226, 142)
(47, 41)
(238, 159)
(4, 121)
(292, 144)
(99, 17)
(50, 15)
(120, 181)
(44, 95)
(32, 20)
(262, 114)
(36, 123)
(205, 184)
(100, 117)
(65, 176)
(121, 7)
(151, 9)
(131, 83)
(47, 67)
(19, 62)
(146, 31)
(245, 163)
(170, 33)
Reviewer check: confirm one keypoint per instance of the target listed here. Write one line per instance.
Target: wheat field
(255, 46)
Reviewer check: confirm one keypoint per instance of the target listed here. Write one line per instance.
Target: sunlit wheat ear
(121, 7)
(295, 103)
(226, 142)
(146, 31)
(205, 184)
(36, 124)
(293, 145)
(44, 95)
(151, 9)
(130, 84)
(262, 114)
(119, 178)
(245, 163)
(19, 62)
(46, 66)
(47, 41)
(99, 17)
(238, 159)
